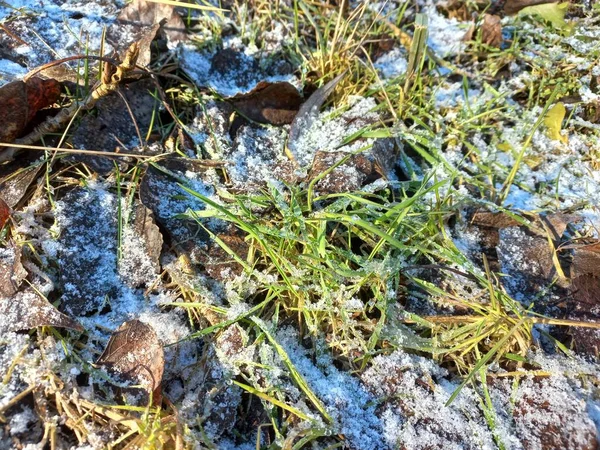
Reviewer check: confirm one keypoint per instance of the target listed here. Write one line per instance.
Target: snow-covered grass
(355, 306)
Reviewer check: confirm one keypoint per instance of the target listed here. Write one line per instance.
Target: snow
(327, 133)
(241, 71)
(445, 35)
(392, 64)
(346, 400)
(410, 388)
(52, 30)
(400, 400)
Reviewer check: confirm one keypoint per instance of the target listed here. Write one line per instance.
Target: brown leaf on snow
(140, 20)
(547, 418)
(586, 261)
(219, 264)
(273, 103)
(145, 13)
(20, 101)
(584, 305)
(493, 220)
(15, 179)
(514, 6)
(585, 293)
(528, 260)
(556, 224)
(4, 213)
(27, 309)
(491, 30)
(346, 177)
(12, 272)
(135, 354)
(145, 226)
(113, 126)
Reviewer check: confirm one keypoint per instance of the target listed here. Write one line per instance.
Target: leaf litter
(100, 255)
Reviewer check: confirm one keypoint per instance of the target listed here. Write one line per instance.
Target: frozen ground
(107, 250)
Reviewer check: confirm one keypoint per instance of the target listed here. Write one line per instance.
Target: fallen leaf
(161, 192)
(12, 272)
(553, 121)
(14, 185)
(491, 31)
(273, 103)
(218, 263)
(20, 101)
(556, 224)
(585, 299)
(144, 14)
(347, 177)
(146, 227)
(584, 305)
(310, 109)
(139, 21)
(493, 220)
(536, 401)
(514, 6)
(4, 213)
(586, 261)
(527, 260)
(135, 354)
(114, 127)
(27, 309)
(151, 238)
(550, 12)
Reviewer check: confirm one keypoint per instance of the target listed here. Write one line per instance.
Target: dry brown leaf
(274, 103)
(27, 309)
(4, 213)
(15, 179)
(491, 31)
(514, 6)
(493, 220)
(12, 272)
(586, 261)
(584, 304)
(347, 177)
(536, 404)
(145, 226)
(556, 224)
(585, 291)
(114, 125)
(20, 101)
(144, 20)
(135, 354)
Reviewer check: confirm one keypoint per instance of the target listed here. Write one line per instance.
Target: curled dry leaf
(135, 354)
(274, 103)
(27, 309)
(20, 101)
(140, 20)
(491, 31)
(4, 213)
